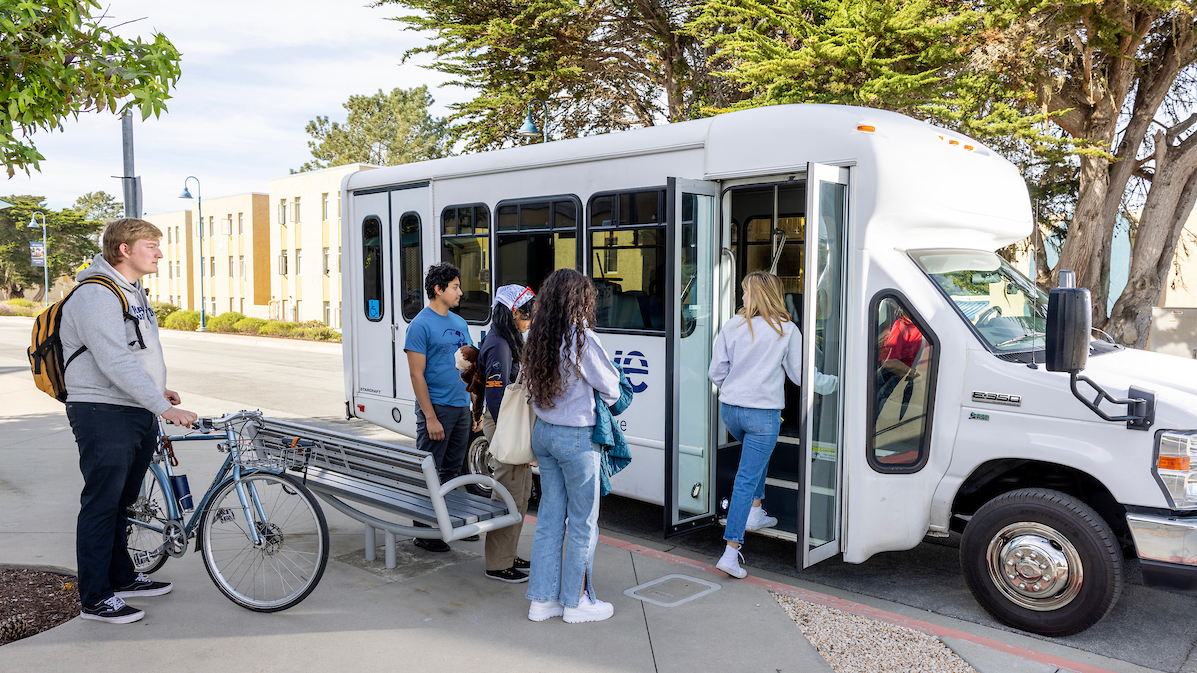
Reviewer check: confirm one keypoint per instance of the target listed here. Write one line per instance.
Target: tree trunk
(1088, 234)
(1043, 271)
(1173, 191)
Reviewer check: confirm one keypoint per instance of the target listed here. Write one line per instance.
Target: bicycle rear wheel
(282, 570)
(140, 540)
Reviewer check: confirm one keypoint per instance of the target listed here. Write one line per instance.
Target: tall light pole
(45, 255)
(199, 205)
(529, 130)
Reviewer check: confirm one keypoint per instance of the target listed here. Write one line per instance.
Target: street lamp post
(45, 255)
(529, 130)
(199, 205)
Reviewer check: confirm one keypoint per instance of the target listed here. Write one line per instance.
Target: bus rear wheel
(1042, 561)
(479, 461)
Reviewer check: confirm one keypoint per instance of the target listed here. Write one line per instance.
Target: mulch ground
(32, 601)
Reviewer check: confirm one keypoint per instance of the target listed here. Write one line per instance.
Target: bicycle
(263, 535)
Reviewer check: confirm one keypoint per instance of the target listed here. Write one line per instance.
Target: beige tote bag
(512, 441)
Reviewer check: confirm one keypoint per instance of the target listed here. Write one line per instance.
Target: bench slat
(463, 508)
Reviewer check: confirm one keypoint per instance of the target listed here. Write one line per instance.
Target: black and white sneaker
(510, 575)
(143, 586)
(113, 611)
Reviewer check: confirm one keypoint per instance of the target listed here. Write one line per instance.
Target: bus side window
(372, 269)
(627, 244)
(903, 357)
(465, 241)
(536, 237)
(410, 259)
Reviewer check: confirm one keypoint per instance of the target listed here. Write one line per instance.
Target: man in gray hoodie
(116, 390)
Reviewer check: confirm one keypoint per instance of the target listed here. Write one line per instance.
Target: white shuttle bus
(883, 231)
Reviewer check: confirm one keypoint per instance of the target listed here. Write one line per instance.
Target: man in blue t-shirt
(443, 418)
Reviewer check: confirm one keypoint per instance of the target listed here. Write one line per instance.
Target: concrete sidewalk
(434, 611)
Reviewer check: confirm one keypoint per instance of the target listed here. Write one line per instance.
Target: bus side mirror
(1069, 323)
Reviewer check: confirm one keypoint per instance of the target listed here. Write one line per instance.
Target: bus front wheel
(1042, 561)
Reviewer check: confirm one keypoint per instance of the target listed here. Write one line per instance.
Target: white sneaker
(589, 610)
(757, 519)
(542, 610)
(730, 563)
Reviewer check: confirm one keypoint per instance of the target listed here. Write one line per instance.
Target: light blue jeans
(569, 490)
(756, 430)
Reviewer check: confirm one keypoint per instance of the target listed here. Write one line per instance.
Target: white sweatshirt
(749, 367)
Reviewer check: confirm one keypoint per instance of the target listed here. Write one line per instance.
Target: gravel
(32, 601)
(854, 644)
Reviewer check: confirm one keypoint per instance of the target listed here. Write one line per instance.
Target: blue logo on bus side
(625, 361)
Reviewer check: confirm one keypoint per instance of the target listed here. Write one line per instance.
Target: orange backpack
(45, 354)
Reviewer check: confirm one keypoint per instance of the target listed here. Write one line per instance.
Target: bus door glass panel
(374, 315)
(409, 208)
(821, 426)
(535, 238)
(465, 241)
(690, 458)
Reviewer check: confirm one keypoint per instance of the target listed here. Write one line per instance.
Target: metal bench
(397, 479)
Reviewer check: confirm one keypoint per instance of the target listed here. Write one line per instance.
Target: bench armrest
(442, 515)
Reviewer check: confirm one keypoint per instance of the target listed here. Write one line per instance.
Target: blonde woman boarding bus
(753, 354)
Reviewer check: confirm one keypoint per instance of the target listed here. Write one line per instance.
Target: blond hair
(763, 297)
(126, 231)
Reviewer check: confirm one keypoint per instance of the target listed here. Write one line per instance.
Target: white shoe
(542, 610)
(589, 610)
(730, 563)
(757, 519)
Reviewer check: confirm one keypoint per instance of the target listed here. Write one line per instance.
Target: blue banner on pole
(37, 252)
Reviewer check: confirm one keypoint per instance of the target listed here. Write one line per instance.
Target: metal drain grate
(671, 591)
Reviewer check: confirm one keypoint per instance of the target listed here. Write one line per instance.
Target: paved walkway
(434, 611)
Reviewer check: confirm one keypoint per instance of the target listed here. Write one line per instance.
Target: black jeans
(116, 444)
(449, 453)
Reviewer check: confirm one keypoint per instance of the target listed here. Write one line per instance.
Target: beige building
(305, 242)
(173, 282)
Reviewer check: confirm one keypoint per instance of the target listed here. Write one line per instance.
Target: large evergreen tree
(69, 238)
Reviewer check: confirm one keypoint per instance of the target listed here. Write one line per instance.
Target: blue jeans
(756, 430)
(569, 490)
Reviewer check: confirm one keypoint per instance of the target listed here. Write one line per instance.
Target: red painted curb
(856, 608)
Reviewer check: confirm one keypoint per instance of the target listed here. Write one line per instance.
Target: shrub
(225, 322)
(321, 333)
(277, 328)
(185, 320)
(312, 324)
(5, 309)
(23, 303)
(162, 311)
(249, 325)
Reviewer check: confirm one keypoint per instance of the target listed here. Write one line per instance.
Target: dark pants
(449, 453)
(116, 444)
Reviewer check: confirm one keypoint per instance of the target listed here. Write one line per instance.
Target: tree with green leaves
(60, 60)
(602, 65)
(68, 234)
(98, 206)
(382, 129)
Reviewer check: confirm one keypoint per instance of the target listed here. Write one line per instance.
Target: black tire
(1014, 548)
(478, 461)
(288, 565)
(150, 508)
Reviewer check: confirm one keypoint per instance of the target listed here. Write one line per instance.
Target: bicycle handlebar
(223, 422)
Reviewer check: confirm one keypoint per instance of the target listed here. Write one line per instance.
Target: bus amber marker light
(1178, 463)
(865, 128)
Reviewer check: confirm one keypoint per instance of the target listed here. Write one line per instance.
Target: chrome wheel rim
(1034, 566)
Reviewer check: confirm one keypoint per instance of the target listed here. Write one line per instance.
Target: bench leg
(390, 550)
(370, 542)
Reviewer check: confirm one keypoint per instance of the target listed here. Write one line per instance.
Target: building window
(168, 232)
(328, 313)
(324, 262)
(212, 267)
(241, 265)
(170, 269)
(465, 242)
(627, 235)
(411, 265)
(904, 354)
(298, 311)
(282, 263)
(372, 269)
(338, 259)
(298, 261)
(211, 225)
(230, 304)
(535, 238)
(282, 211)
(231, 274)
(177, 239)
(212, 306)
(295, 209)
(324, 206)
(202, 273)
(241, 305)
(240, 223)
(338, 206)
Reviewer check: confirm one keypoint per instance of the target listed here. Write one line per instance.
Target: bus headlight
(1176, 467)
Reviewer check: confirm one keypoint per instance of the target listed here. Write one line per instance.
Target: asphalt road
(1150, 627)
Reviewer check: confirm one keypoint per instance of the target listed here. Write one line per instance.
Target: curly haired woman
(564, 366)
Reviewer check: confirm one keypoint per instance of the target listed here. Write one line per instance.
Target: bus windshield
(1003, 306)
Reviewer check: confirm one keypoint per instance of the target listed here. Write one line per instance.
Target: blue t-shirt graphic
(438, 337)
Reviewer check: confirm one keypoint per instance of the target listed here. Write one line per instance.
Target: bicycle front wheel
(286, 565)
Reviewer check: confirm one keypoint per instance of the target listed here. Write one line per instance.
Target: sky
(255, 72)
